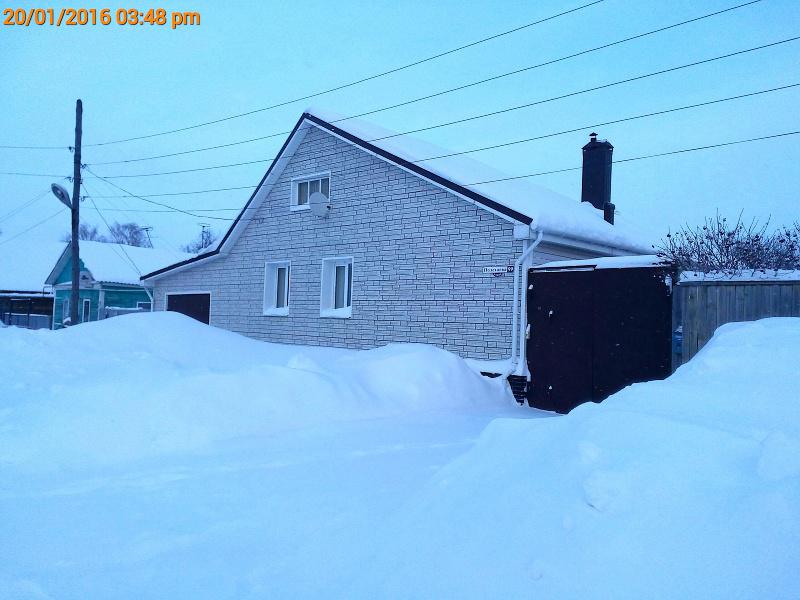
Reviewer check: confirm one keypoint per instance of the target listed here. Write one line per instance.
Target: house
(357, 237)
(25, 299)
(109, 279)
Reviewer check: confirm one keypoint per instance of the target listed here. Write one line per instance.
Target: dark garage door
(197, 306)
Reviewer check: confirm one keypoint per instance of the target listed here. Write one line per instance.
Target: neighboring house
(396, 248)
(109, 280)
(25, 299)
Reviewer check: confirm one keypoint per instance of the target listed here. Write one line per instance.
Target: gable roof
(112, 263)
(25, 265)
(518, 200)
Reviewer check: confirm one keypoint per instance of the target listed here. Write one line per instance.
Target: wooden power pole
(76, 219)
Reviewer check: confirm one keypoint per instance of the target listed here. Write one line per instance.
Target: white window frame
(84, 301)
(140, 302)
(296, 181)
(328, 288)
(64, 310)
(271, 287)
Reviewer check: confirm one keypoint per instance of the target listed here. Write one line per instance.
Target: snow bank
(144, 385)
(684, 488)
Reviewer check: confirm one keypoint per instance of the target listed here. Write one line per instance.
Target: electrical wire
(23, 206)
(647, 156)
(363, 79)
(482, 148)
(130, 210)
(464, 120)
(114, 246)
(615, 121)
(618, 161)
(241, 187)
(35, 174)
(165, 210)
(120, 188)
(343, 86)
(34, 226)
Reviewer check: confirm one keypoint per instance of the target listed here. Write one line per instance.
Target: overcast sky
(246, 55)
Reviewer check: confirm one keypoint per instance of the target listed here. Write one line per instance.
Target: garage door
(197, 306)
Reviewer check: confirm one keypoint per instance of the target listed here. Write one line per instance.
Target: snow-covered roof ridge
(25, 264)
(548, 210)
(119, 263)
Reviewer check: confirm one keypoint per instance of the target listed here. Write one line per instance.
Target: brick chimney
(596, 183)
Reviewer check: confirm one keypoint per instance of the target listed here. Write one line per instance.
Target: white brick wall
(418, 253)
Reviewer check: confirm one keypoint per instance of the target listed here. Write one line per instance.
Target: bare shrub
(718, 246)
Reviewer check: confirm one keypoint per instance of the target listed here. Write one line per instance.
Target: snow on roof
(606, 262)
(552, 212)
(25, 264)
(111, 263)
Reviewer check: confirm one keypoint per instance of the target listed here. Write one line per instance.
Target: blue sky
(246, 55)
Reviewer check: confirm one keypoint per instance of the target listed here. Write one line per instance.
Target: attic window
(303, 187)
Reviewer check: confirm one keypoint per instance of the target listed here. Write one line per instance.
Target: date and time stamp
(77, 17)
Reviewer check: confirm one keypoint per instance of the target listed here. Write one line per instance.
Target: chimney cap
(593, 136)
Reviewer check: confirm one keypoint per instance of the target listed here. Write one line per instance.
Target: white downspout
(517, 323)
(149, 295)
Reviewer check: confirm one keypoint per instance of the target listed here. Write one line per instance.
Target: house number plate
(497, 271)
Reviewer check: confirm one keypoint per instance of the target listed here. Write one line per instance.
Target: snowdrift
(150, 384)
(684, 488)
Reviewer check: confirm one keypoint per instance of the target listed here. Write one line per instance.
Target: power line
(114, 246)
(170, 246)
(647, 156)
(153, 201)
(483, 148)
(571, 94)
(624, 160)
(35, 147)
(34, 226)
(241, 187)
(165, 210)
(464, 120)
(615, 121)
(34, 174)
(529, 175)
(24, 205)
(362, 80)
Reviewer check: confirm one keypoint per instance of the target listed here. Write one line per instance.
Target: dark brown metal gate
(594, 331)
(197, 306)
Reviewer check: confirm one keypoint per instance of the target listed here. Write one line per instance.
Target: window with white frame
(303, 187)
(276, 287)
(86, 311)
(65, 310)
(144, 305)
(337, 288)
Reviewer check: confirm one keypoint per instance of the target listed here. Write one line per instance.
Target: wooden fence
(702, 306)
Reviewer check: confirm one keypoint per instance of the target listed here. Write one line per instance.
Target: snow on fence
(700, 305)
(27, 320)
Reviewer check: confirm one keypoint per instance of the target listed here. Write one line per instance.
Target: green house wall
(116, 296)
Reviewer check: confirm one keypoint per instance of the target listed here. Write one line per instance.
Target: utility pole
(76, 204)
(147, 229)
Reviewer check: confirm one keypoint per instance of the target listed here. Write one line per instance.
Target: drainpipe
(517, 315)
(149, 295)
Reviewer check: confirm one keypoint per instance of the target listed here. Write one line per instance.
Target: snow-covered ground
(149, 456)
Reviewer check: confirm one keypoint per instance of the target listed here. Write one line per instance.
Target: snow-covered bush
(719, 246)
